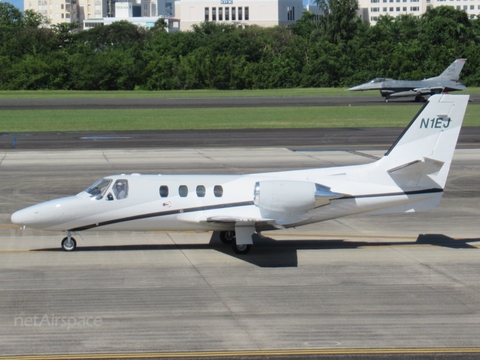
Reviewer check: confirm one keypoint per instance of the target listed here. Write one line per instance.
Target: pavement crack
(105, 157)
(232, 313)
(232, 170)
(446, 275)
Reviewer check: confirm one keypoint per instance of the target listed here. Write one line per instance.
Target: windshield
(99, 188)
(376, 80)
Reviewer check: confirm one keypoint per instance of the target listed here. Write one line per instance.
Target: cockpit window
(120, 189)
(377, 80)
(99, 188)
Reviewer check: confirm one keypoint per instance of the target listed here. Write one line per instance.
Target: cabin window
(201, 191)
(183, 190)
(164, 191)
(99, 188)
(120, 189)
(218, 191)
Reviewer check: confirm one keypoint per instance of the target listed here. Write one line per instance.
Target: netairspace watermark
(52, 320)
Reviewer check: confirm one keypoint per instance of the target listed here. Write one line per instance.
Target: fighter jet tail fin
(426, 146)
(452, 72)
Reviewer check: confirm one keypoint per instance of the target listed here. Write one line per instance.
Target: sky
(17, 3)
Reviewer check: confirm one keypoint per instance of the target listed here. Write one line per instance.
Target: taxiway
(345, 286)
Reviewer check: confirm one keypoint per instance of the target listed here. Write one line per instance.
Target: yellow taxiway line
(243, 353)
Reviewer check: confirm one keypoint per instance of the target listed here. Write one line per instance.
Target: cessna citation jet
(410, 177)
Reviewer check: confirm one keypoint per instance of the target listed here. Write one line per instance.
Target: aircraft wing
(439, 89)
(259, 224)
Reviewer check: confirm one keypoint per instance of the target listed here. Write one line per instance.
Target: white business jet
(409, 178)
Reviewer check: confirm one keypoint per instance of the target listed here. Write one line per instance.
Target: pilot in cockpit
(120, 190)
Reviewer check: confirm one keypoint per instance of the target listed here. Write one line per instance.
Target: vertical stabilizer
(452, 72)
(423, 152)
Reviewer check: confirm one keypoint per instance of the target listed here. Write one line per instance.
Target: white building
(66, 11)
(58, 11)
(372, 9)
(246, 12)
(173, 25)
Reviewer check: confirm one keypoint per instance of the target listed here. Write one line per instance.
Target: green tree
(10, 16)
(31, 18)
(340, 19)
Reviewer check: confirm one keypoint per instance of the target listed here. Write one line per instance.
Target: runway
(390, 286)
(295, 139)
(205, 102)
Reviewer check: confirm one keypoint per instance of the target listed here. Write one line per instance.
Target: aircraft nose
(23, 217)
(40, 216)
(357, 88)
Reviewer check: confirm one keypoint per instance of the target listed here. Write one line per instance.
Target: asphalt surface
(223, 102)
(315, 139)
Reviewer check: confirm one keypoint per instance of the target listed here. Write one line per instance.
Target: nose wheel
(69, 243)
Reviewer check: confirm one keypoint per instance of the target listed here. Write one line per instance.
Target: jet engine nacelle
(285, 195)
(290, 196)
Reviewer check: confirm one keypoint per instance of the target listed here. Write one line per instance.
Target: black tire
(227, 237)
(241, 249)
(69, 247)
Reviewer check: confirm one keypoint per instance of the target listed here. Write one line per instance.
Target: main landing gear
(229, 237)
(69, 243)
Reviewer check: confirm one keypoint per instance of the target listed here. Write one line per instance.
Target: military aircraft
(409, 178)
(445, 82)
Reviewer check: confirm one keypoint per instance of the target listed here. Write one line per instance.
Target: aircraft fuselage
(214, 202)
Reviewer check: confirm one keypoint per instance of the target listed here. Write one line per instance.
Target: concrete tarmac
(359, 285)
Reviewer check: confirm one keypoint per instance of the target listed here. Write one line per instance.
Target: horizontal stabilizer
(430, 166)
(417, 174)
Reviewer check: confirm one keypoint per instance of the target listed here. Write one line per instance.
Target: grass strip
(214, 118)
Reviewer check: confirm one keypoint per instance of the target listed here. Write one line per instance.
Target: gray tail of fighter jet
(452, 72)
(447, 81)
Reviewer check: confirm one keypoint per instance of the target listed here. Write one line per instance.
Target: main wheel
(227, 237)
(69, 244)
(241, 249)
